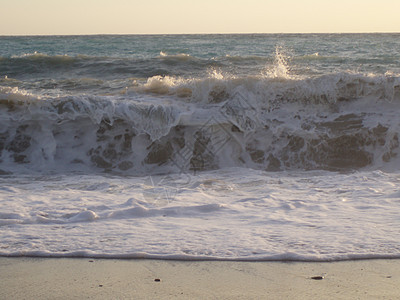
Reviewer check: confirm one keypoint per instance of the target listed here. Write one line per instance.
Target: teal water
(139, 56)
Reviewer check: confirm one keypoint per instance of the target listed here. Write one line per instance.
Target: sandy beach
(69, 278)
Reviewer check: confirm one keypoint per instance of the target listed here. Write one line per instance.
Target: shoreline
(77, 278)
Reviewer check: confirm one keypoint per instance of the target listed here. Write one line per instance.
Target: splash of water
(280, 68)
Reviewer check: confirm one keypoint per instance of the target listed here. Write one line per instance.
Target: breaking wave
(169, 124)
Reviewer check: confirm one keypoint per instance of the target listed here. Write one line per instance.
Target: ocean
(200, 147)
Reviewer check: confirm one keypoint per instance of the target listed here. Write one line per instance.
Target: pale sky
(203, 16)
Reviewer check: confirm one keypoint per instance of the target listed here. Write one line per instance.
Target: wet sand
(85, 278)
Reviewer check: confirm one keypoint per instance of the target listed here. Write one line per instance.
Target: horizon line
(227, 33)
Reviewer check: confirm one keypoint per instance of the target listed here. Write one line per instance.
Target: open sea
(192, 147)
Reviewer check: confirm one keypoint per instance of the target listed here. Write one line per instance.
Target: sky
(58, 17)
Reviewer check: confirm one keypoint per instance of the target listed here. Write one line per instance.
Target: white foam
(225, 214)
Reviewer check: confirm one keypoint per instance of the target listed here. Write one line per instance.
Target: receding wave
(167, 124)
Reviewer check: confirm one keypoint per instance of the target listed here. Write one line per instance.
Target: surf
(338, 121)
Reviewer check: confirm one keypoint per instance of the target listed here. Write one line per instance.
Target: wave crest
(330, 89)
(334, 122)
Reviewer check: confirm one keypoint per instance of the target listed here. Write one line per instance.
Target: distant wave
(56, 66)
(180, 56)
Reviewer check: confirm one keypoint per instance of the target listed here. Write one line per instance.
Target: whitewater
(192, 147)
